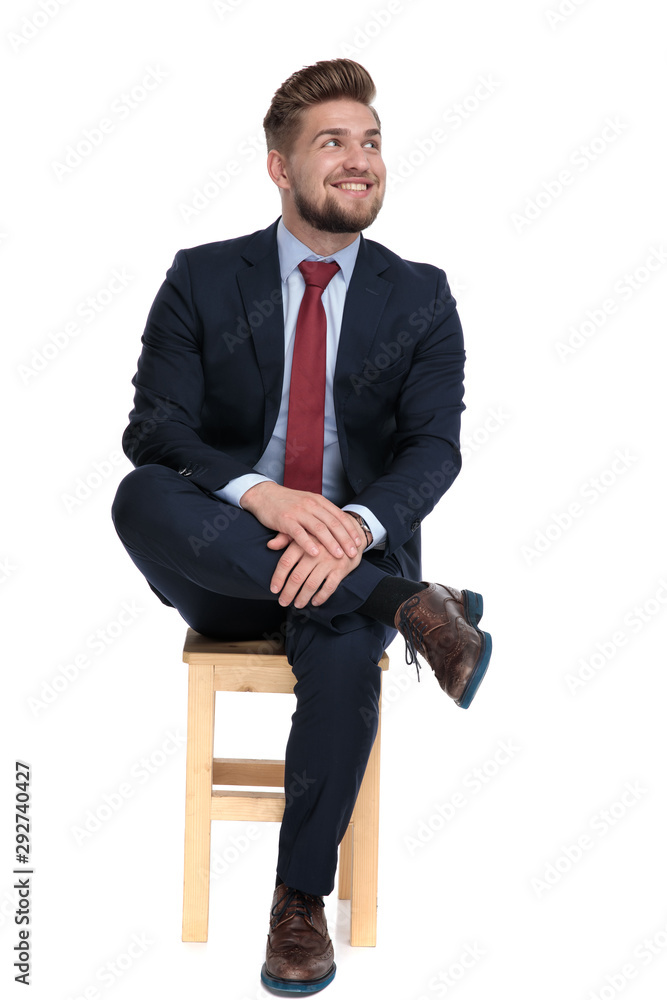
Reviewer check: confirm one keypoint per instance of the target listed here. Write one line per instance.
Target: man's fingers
(344, 529)
(298, 533)
(296, 580)
(327, 529)
(309, 519)
(290, 557)
(280, 541)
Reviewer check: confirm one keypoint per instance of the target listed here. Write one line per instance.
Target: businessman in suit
(296, 416)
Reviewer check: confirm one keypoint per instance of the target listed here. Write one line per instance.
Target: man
(297, 413)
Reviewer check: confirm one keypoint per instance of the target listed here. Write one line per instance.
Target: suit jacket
(209, 378)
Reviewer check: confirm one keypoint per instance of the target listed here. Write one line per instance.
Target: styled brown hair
(323, 81)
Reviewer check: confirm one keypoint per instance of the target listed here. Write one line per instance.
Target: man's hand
(308, 519)
(301, 578)
(312, 530)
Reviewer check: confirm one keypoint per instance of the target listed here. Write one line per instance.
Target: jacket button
(185, 472)
(415, 524)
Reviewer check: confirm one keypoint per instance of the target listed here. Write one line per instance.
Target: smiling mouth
(356, 190)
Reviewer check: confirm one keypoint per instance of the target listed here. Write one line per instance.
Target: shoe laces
(295, 902)
(412, 629)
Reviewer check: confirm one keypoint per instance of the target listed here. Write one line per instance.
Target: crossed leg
(210, 561)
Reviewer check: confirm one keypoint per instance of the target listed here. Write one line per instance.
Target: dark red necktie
(304, 447)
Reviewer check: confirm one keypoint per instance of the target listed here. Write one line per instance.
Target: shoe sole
(295, 987)
(474, 608)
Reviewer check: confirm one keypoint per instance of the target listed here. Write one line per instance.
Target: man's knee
(342, 663)
(138, 492)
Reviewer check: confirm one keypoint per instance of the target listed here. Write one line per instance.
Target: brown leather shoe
(441, 624)
(299, 952)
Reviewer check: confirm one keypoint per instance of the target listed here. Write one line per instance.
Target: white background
(542, 432)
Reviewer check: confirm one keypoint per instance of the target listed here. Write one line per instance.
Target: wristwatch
(367, 531)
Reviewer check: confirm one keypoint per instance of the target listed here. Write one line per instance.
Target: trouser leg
(167, 524)
(333, 729)
(210, 561)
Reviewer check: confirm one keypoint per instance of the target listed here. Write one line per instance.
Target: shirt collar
(292, 251)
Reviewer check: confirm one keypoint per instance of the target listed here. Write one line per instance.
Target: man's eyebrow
(345, 131)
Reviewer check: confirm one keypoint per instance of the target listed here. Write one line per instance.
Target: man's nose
(357, 159)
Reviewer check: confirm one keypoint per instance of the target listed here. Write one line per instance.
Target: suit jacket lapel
(261, 291)
(364, 304)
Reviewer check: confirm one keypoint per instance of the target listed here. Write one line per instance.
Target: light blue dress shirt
(271, 465)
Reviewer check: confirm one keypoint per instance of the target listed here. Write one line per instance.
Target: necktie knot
(318, 272)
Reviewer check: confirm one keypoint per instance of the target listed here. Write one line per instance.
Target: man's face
(335, 171)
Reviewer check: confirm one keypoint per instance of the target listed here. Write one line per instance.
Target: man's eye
(370, 142)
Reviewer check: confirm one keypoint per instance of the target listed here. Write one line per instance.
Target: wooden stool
(260, 666)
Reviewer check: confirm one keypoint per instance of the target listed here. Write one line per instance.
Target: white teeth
(353, 187)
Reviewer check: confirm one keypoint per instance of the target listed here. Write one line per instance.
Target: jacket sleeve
(426, 453)
(165, 423)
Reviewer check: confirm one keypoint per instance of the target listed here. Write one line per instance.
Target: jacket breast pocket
(373, 374)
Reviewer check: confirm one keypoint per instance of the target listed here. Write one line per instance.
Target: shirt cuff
(235, 488)
(378, 531)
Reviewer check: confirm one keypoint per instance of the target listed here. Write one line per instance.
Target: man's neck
(322, 243)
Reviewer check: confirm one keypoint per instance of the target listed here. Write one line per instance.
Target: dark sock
(388, 596)
(278, 881)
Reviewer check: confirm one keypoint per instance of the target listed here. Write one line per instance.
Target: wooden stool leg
(345, 865)
(198, 787)
(366, 829)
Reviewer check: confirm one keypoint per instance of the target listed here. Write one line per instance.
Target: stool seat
(260, 666)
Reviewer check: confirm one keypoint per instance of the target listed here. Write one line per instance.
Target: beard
(332, 217)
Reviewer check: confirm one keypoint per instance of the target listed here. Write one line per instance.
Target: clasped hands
(322, 543)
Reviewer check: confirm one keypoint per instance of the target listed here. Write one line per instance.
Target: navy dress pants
(209, 560)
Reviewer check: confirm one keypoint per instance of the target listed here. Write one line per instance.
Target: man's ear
(277, 165)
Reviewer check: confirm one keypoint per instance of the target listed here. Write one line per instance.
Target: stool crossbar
(260, 666)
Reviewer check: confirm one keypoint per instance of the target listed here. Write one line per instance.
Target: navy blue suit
(208, 389)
